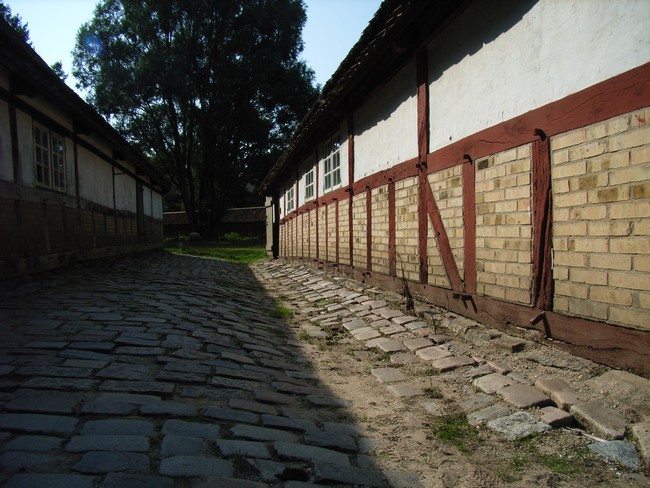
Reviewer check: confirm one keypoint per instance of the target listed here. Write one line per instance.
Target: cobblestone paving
(167, 371)
(162, 371)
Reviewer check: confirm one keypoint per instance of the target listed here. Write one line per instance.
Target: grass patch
(433, 392)
(239, 255)
(281, 312)
(305, 337)
(453, 429)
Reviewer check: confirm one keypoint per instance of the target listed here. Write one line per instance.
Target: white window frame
(310, 185)
(332, 163)
(291, 199)
(49, 158)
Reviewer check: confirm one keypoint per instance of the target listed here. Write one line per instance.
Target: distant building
(245, 221)
(71, 188)
(496, 155)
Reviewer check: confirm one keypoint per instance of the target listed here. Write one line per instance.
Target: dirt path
(428, 433)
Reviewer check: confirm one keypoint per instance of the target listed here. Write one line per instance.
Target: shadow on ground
(164, 371)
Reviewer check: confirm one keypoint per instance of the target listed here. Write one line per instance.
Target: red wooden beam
(542, 223)
(443, 241)
(469, 220)
(392, 248)
(422, 78)
(337, 231)
(368, 229)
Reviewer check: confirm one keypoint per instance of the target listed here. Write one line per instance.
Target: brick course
(504, 225)
(359, 225)
(447, 189)
(380, 229)
(406, 228)
(601, 206)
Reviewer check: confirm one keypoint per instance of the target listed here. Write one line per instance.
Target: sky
(332, 28)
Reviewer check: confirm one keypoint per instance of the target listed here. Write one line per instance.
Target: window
(332, 163)
(309, 184)
(290, 199)
(49, 158)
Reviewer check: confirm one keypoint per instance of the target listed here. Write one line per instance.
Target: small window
(291, 199)
(309, 184)
(332, 163)
(49, 158)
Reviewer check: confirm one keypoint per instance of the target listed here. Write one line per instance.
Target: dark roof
(175, 218)
(230, 215)
(247, 214)
(30, 74)
(395, 32)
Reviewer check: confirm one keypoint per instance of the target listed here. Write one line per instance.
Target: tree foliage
(15, 21)
(211, 90)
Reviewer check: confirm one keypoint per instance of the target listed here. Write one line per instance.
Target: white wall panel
(499, 60)
(386, 126)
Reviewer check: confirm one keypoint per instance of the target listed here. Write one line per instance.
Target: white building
(494, 154)
(71, 188)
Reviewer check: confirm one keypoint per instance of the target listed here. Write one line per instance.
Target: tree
(57, 67)
(210, 90)
(15, 21)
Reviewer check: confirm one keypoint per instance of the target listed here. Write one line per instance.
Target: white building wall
(146, 197)
(125, 193)
(6, 162)
(157, 205)
(386, 125)
(556, 48)
(95, 179)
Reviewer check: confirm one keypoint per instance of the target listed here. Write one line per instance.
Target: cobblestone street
(169, 371)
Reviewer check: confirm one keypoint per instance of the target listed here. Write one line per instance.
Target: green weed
(453, 429)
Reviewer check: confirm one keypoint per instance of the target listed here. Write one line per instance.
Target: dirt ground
(429, 434)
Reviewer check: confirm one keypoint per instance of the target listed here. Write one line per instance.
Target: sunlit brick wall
(601, 190)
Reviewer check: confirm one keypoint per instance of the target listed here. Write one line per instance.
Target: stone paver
(641, 433)
(599, 419)
(389, 375)
(524, 396)
(491, 383)
(433, 353)
(518, 426)
(559, 391)
(164, 372)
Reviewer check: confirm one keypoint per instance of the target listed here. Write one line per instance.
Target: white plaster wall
(157, 205)
(386, 125)
(95, 179)
(125, 192)
(25, 147)
(6, 162)
(46, 108)
(146, 197)
(551, 50)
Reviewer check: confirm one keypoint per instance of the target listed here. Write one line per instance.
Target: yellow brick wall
(312, 233)
(437, 273)
(406, 228)
(300, 244)
(504, 225)
(380, 229)
(359, 230)
(601, 233)
(283, 247)
(344, 232)
(447, 188)
(322, 237)
(331, 232)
